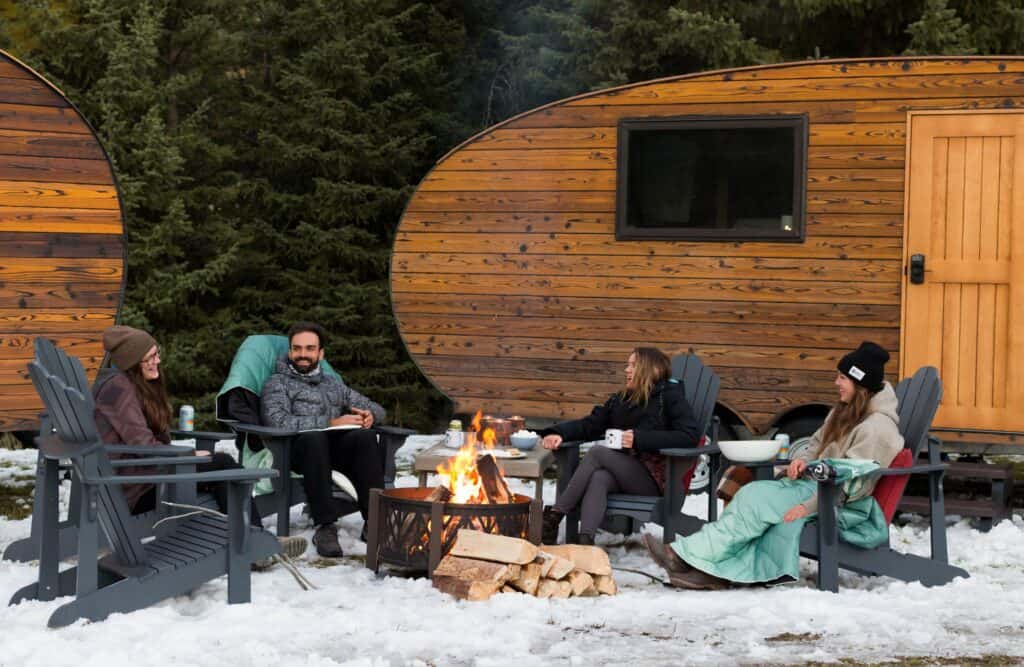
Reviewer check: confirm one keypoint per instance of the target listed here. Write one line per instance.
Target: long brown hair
(156, 408)
(652, 366)
(845, 416)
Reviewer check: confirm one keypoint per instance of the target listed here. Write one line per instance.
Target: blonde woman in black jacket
(652, 412)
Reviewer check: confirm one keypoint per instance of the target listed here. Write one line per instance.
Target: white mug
(613, 438)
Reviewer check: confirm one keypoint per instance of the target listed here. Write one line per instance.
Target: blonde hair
(845, 416)
(652, 366)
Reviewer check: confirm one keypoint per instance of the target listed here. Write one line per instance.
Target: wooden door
(965, 214)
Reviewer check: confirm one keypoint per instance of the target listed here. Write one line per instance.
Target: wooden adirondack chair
(49, 473)
(136, 574)
(918, 402)
(287, 490)
(700, 386)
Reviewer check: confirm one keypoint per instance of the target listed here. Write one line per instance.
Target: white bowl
(523, 442)
(749, 451)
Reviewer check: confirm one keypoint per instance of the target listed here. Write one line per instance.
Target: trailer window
(712, 178)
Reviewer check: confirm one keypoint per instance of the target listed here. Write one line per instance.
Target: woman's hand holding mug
(627, 439)
(551, 441)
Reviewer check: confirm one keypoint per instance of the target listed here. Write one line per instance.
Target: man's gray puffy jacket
(300, 402)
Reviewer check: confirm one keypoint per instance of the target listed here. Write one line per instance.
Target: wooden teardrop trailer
(768, 218)
(61, 245)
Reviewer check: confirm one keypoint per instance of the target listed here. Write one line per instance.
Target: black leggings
(603, 471)
(219, 490)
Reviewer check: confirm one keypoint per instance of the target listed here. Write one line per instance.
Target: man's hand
(795, 467)
(365, 415)
(627, 439)
(795, 513)
(348, 420)
(552, 441)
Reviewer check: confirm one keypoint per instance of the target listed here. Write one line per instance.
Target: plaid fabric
(734, 478)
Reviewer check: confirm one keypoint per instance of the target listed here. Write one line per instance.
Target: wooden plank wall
(61, 247)
(513, 295)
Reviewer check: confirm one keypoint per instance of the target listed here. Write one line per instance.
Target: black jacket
(665, 421)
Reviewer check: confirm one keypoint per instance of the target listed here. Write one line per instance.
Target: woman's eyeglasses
(152, 358)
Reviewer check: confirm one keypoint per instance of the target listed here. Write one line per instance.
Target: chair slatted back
(918, 398)
(59, 364)
(700, 386)
(72, 414)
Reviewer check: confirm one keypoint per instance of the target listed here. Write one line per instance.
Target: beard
(304, 365)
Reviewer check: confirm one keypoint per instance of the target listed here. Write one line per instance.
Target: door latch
(916, 269)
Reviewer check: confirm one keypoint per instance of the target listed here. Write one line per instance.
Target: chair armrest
(690, 452)
(393, 430)
(202, 435)
(571, 444)
(151, 450)
(161, 461)
(930, 467)
(264, 431)
(232, 475)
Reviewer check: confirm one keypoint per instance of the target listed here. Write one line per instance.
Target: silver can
(187, 418)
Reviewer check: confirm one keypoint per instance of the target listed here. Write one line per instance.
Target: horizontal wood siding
(513, 295)
(61, 237)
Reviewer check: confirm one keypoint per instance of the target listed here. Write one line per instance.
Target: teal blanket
(252, 366)
(751, 543)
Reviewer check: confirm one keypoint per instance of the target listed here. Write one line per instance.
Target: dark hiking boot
(326, 541)
(665, 556)
(585, 540)
(699, 581)
(549, 526)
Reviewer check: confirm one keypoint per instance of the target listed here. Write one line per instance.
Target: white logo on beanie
(856, 373)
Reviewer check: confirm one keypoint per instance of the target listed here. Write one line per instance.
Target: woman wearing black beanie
(863, 425)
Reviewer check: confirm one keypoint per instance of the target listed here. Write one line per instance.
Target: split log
(560, 567)
(528, 579)
(466, 589)
(582, 584)
(440, 494)
(605, 584)
(476, 544)
(590, 559)
(508, 589)
(492, 481)
(547, 588)
(564, 589)
(546, 561)
(477, 570)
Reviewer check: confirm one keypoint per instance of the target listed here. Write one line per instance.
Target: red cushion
(889, 489)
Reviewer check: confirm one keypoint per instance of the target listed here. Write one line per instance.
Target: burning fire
(460, 474)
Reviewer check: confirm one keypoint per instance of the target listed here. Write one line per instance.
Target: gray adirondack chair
(50, 473)
(700, 386)
(287, 490)
(136, 573)
(918, 398)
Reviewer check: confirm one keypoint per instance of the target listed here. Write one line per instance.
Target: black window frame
(799, 122)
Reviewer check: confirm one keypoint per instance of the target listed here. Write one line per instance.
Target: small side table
(532, 466)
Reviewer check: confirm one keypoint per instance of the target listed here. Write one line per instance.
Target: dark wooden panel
(540, 158)
(12, 70)
(545, 411)
(50, 144)
(16, 271)
(19, 420)
(20, 346)
(54, 170)
(895, 111)
(512, 222)
(42, 119)
(649, 266)
(69, 220)
(875, 68)
(407, 306)
(70, 295)
(735, 356)
(949, 84)
(559, 137)
(519, 202)
(856, 157)
(29, 91)
(633, 330)
(50, 195)
(854, 202)
(859, 134)
(603, 244)
(32, 244)
(54, 320)
(855, 224)
(855, 179)
(454, 181)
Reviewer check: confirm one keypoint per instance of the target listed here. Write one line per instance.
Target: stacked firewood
(481, 564)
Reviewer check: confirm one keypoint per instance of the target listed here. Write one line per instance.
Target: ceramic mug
(613, 438)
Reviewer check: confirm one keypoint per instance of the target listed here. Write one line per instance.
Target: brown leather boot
(699, 581)
(665, 556)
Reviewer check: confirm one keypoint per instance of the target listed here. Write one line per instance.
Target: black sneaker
(325, 539)
(549, 525)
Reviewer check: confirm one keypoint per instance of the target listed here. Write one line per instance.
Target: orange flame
(475, 424)
(490, 438)
(459, 474)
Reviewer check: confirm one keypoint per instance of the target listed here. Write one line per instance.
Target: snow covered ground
(356, 618)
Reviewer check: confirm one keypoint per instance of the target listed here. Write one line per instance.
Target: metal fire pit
(410, 532)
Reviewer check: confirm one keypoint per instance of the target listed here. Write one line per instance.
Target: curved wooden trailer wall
(512, 293)
(61, 235)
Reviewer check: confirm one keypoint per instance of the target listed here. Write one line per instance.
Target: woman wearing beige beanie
(132, 408)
